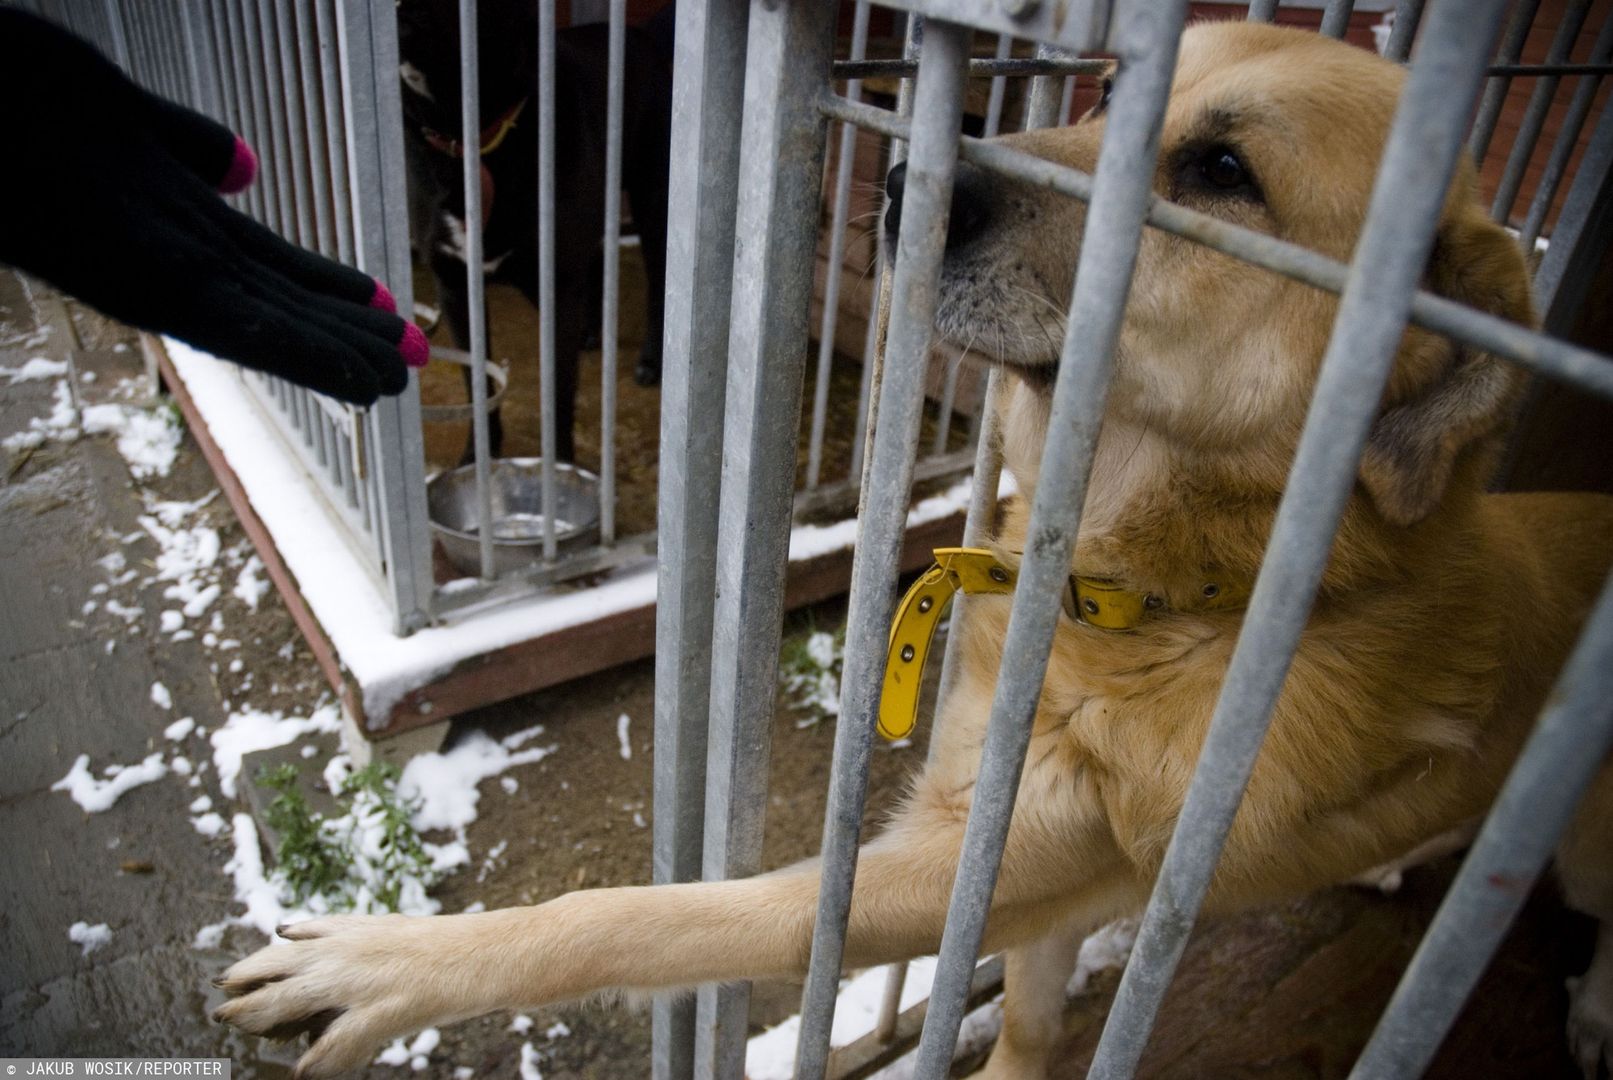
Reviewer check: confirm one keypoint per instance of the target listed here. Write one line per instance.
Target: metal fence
(736, 330)
(313, 85)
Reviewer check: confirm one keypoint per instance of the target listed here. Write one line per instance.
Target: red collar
(492, 137)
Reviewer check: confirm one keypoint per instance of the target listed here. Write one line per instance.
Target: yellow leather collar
(1095, 602)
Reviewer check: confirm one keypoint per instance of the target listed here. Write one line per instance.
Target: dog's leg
(1585, 865)
(362, 980)
(1386, 877)
(647, 192)
(1034, 978)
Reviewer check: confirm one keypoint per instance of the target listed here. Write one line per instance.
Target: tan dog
(1443, 616)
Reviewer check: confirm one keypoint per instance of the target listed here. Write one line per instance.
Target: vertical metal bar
(890, 1003)
(1146, 39)
(1407, 198)
(271, 142)
(999, 87)
(260, 195)
(276, 94)
(546, 357)
(881, 525)
(313, 137)
(1562, 756)
(205, 95)
(368, 45)
(945, 407)
(1262, 11)
(1534, 117)
(1408, 13)
(1579, 109)
(330, 81)
(837, 254)
(873, 359)
(1495, 91)
(708, 88)
(470, 126)
(1047, 92)
(780, 182)
(870, 350)
(232, 84)
(615, 78)
(295, 128)
(116, 37)
(1568, 269)
(1336, 18)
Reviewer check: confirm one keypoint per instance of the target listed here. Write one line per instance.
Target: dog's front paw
(349, 982)
(1590, 1026)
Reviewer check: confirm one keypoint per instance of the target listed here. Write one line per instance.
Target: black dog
(428, 37)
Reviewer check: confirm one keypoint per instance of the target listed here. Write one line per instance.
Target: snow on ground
(88, 937)
(529, 1063)
(771, 1055)
(250, 730)
(161, 697)
(626, 745)
(96, 796)
(249, 586)
(416, 1054)
(148, 438)
(446, 783)
(37, 367)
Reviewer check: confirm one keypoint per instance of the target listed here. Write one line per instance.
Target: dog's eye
(1216, 170)
(1103, 96)
(1221, 168)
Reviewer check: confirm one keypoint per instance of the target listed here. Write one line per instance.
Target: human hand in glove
(112, 195)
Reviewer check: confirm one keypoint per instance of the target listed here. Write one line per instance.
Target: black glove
(112, 195)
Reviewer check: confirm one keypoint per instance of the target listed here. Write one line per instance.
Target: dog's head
(428, 52)
(1279, 131)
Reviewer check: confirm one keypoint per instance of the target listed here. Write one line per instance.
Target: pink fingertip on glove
(414, 347)
(383, 300)
(242, 171)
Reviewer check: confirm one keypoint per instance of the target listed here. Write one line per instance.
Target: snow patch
(529, 1063)
(161, 698)
(148, 439)
(249, 586)
(251, 730)
(179, 729)
(88, 937)
(622, 722)
(446, 783)
(38, 367)
(95, 795)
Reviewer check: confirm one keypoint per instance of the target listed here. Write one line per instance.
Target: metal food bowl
(517, 495)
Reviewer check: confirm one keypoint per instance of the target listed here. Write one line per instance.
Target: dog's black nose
(969, 203)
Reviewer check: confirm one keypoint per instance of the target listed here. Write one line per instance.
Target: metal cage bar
(1146, 38)
(837, 247)
(1495, 91)
(708, 92)
(780, 178)
(470, 123)
(615, 80)
(1579, 108)
(1407, 198)
(1534, 117)
(927, 197)
(546, 284)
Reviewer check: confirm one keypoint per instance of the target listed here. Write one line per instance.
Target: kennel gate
(743, 218)
(310, 84)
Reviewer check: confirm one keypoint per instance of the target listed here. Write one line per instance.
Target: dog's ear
(1448, 403)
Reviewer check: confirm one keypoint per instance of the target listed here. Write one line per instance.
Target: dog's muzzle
(970, 212)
